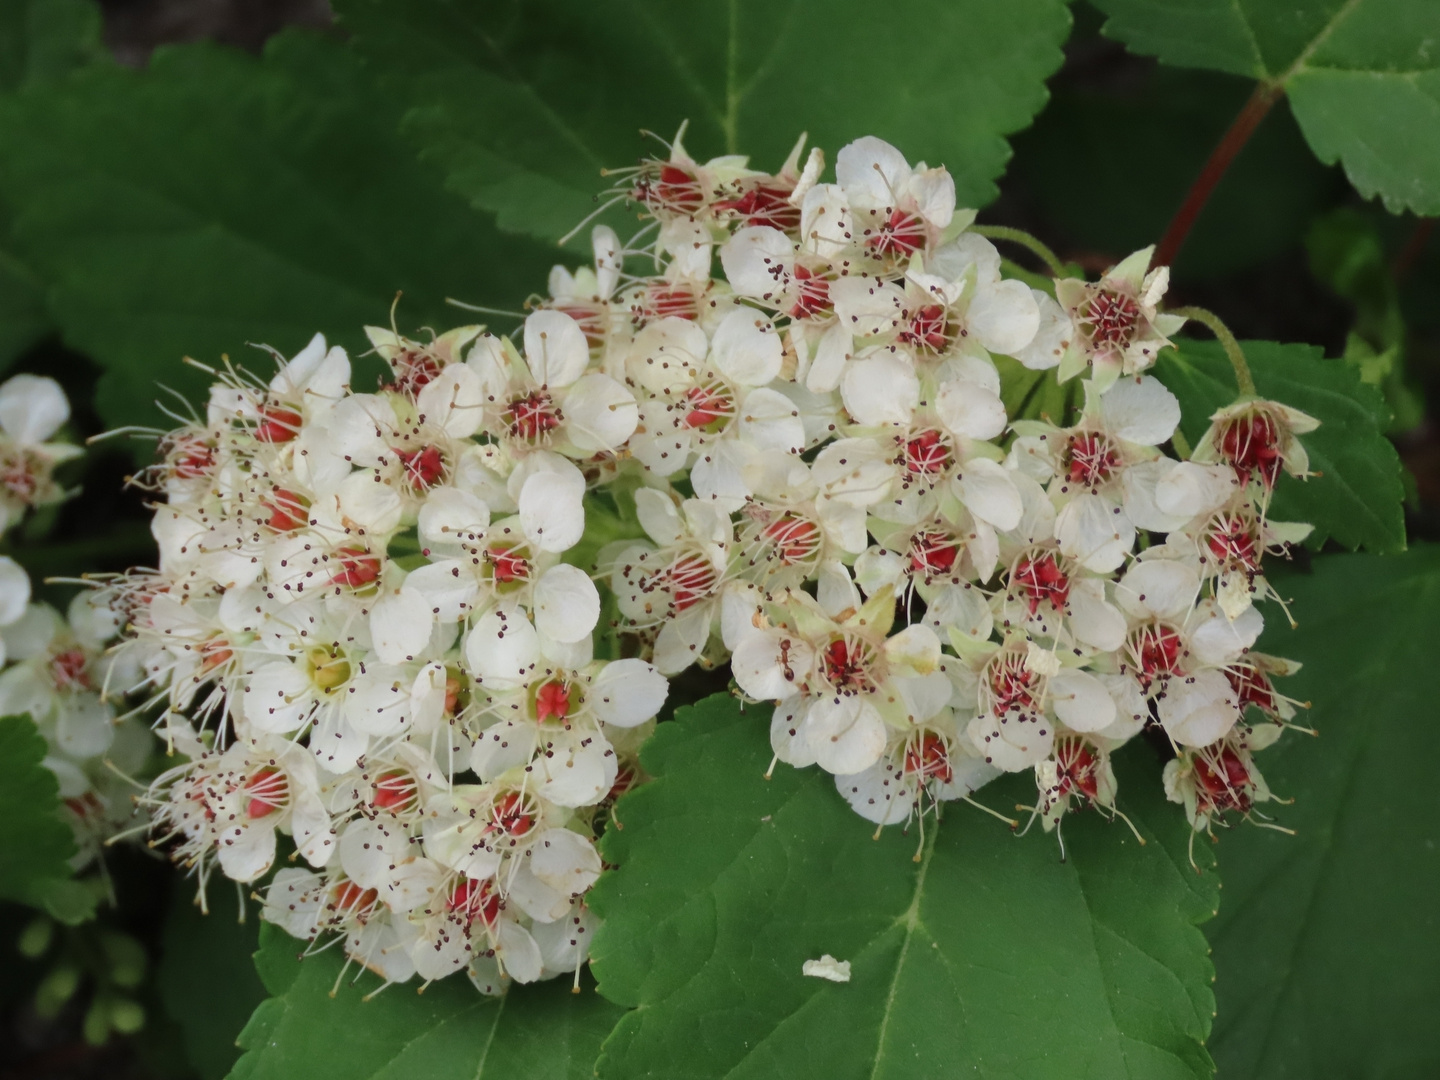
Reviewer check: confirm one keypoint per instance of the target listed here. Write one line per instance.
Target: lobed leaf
(216, 199)
(989, 955)
(523, 103)
(35, 844)
(1362, 75)
(1327, 942)
(449, 1032)
(1357, 500)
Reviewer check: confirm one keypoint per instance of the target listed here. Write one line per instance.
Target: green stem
(1020, 236)
(1243, 379)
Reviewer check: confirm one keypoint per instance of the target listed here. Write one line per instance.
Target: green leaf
(35, 844)
(1327, 942)
(522, 104)
(207, 958)
(216, 199)
(450, 1032)
(40, 41)
(1363, 76)
(990, 956)
(1357, 499)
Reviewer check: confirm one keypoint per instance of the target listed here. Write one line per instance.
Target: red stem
(1224, 153)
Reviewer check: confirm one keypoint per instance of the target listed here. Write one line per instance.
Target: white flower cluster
(55, 667)
(378, 607)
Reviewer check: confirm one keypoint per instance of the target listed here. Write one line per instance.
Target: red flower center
(68, 670)
(1223, 780)
(711, 407)
(929, 758)
(1078, 766)
(670, 189)
(902, 235)
(1092, 459)
(532, 416)
(396, 791)
(1252, 445)
(423, 468)
(933, 553)
(1040, 579)
(552, 702)
(509, 564)
(268, 791)
(511, 814)
(1234, 541)
(690, 579)
(812, 294)
(765, 204)
(287, 510)
(795, 539)
(475, 901)
(845, 664)
(413, 371)
(926, 329)
(927, 453)
(1156, 650)
(1012, 684)
(1111, 319)
(278, 424)
(358, 568)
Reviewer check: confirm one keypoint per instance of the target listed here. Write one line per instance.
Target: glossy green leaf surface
(35, 844)
(1363, 76)
(214, 200)
(450, 1032)
(522, 104)
(1328, 941)
(987, 956)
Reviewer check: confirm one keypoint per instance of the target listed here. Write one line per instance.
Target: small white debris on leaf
(827, 967)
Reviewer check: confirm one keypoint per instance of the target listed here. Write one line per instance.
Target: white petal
(1004, 316)
(1093, 619)
(1198, 709)
(845, 734)
(1081, 701)
(987, 491)
(502, 650)
(400, 625)
(1140, 411)
(552, 511)
(767, 665)
(1189, 490)
(628, 692)
(555, 348)
(1163, 588)
(971, 410)
(567, 605)
(758, 261)
(871, 171)
(32, 408)
(14, 590)
(600, 414)
(565, 860)
(453, 400)
(882, 794)
(1091, 530)
(746, 349)
(451, 515)
(880, 389)
(768, 420)
(447, 588)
